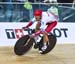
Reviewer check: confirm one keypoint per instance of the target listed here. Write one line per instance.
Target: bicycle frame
(30, 31)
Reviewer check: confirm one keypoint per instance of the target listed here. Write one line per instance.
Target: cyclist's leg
(45, 41)
(45, 36)
(36, 29)
(37, 37)
(50, 26)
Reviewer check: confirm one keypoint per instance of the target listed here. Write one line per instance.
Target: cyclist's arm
(30, 23)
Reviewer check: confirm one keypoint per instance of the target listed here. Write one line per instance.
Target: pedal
(36, 45)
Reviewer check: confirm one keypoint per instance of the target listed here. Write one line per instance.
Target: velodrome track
(61, 54)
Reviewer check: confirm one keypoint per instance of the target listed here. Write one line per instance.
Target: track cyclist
(42, 19)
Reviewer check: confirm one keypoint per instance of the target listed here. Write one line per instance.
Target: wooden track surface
(61, 54)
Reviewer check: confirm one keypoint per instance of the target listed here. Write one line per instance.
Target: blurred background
(14, 10)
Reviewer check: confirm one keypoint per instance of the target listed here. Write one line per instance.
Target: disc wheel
(51, 45)
(22, 46)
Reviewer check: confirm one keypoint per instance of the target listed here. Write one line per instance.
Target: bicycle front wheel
(22, 46)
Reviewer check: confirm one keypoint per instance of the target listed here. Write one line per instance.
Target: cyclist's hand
(24, 28)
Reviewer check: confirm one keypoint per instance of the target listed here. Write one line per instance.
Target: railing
(16, 12)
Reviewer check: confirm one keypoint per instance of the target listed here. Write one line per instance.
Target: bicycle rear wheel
(52, 43)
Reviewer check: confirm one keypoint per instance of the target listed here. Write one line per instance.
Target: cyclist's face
(38, 18)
